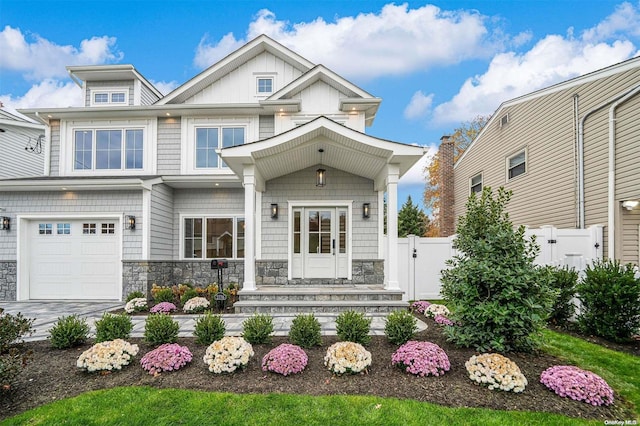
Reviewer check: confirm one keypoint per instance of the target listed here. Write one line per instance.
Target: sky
(435, 64)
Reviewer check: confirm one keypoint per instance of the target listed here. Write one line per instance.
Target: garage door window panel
(89, 228)
(108, 228)
(63, 228)
(45, 229)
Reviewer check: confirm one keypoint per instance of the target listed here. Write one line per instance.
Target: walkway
(47, 313)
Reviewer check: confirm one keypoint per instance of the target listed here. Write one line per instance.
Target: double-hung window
(476, 184)
(209, 139)
(108, 149)
(517, 164)
(213, 237)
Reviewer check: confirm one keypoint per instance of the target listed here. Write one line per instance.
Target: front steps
(322, 299)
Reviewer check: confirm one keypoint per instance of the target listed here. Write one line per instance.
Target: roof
(109, 72)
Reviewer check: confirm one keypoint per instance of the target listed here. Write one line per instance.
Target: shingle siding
(266, 126)
(169, 150)
(55, 148)
(162, 226)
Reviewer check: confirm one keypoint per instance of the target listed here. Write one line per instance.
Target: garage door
(74, 259)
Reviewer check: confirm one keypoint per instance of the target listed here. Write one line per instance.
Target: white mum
(435, 309)
(195, 304)
(228, 354)
(135, 305)
(496, 372)
(109, 355)
(347, 357)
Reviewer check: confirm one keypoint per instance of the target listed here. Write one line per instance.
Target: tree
(412, 220)
(461, 138)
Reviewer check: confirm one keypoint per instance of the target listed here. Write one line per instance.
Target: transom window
(476, 183)
(517, 164)
(209, 139)
(108, 152)
(109, 97)
(265, 85)
(213, 237)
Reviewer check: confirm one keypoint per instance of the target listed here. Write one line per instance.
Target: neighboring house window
(64, 228)
(213, 237)
(109, 97)
(504, 120)
(517, 164)
(45, 229)
(265, 85)
(476, 183)
(208, 139)
(108, 153)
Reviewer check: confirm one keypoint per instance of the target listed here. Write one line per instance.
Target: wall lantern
(131, 222)
(274, 211)
(6, 223)
(630, 204)
(365, 210)
(321, 174)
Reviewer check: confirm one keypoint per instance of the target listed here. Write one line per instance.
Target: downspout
(611, 196)
(576, 191)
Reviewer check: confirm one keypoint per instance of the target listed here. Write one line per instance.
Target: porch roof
(343, 148)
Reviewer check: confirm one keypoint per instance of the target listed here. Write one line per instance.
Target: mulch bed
(52, 375)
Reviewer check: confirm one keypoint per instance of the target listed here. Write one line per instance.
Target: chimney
(446, 155)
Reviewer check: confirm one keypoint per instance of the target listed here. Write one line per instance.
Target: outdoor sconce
(274, 211)
(365, 210)
(630, 204)
(131, 222)
(6, 223)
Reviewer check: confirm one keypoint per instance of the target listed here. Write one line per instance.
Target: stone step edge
(306, 303)
(316, 291)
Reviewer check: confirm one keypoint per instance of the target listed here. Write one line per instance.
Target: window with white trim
(264, 85)
(209, 139)
(108, 97)
(63, 228)
(517, 164)
(114, 149)
(45, 229)
(108, 228)
(213, 237)
(475, 184)
(88, 228)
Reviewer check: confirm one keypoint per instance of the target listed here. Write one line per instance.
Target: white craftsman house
(262, 159)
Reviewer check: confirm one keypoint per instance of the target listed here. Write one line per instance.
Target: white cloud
(396, 40)
(551, 60)
(165, 86)
(625, 20)
(38, 58)
(49, 93)
(419, 105)
(416, 174)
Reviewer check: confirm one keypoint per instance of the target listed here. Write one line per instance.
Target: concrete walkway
(47, 313)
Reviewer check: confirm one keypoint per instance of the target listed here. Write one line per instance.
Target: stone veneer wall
(274, 272)
(8, 280)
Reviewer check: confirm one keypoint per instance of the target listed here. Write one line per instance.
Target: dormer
(113, 86)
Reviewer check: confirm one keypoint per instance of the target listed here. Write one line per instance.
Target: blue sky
(434, 64)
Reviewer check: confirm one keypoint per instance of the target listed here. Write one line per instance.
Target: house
(22, 144)
(569, 153)
(262, 158)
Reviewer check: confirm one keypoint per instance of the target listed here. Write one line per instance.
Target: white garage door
(74, 259)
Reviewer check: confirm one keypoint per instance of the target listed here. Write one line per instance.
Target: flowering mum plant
(163, 308)
(496, 372)
(419, 306)
(228, 354)
(347, 357)
(195, 305)
(434, 309)
(575, 383)
(442, 320)
(421, 359)
(285, 359)
(167, 357)
(138, 304)
(108, 355)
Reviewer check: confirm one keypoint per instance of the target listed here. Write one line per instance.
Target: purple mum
(421, 358)
(167, 357)
(419, 306)
(163, 308)
(285, 359)
(581, 385)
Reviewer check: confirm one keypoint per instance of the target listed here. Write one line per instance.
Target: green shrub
(610, 298)
(305, 331)
(563, 281)
(499, 299)
(13, 328)
(113, 326)
(209, 328)
(161, 328)
(68, 332)
(189, 294)
(258, 329)
(136, 295)
(400, 327)
(164, 294)
(354, 327)
(11, 364)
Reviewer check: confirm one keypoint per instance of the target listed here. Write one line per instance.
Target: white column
(249, 228)
(392, 227)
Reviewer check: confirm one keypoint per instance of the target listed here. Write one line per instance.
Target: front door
(320, 242)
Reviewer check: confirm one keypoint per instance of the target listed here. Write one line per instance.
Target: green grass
(143, 405)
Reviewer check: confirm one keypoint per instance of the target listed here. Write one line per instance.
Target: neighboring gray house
(261, 159)
(570, 154)
(22, 143)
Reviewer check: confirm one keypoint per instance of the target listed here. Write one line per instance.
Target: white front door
(320, 242)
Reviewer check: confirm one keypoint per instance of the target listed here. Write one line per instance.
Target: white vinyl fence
(420, 259)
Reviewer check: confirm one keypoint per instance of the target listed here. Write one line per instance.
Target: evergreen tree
(412, 220)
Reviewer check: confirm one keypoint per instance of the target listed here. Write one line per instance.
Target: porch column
(392, 227)
(249, 182)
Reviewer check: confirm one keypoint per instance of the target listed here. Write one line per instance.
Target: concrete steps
(322, 299)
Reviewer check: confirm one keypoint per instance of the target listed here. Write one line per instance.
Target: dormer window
(109, 97)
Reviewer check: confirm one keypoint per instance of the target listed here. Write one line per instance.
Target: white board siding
(301, 186)
(239, 86)
(162, 227)
(169, 150)
(15, 161)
